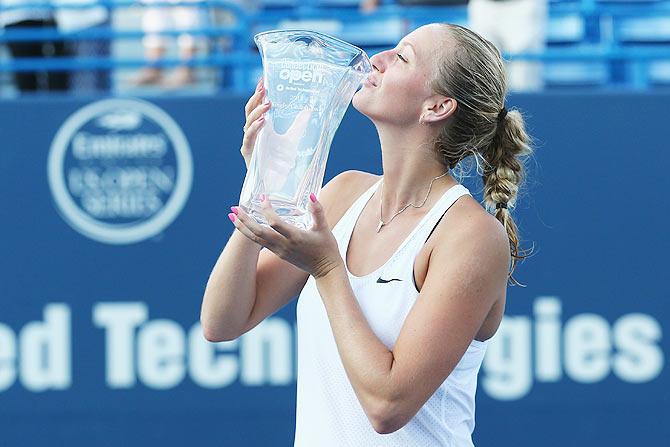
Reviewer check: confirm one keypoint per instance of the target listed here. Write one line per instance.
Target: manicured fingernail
(234, 209)
(231, 216)
(312, 197)
(261, 119)
(262, 197)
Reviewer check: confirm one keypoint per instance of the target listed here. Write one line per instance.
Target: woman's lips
(371, 82)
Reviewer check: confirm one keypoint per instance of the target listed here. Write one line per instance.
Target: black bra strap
(436, 224)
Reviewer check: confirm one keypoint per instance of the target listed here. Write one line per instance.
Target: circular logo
(120, 170)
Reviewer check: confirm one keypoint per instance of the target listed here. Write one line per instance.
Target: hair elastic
(501, 205)
(502, 114)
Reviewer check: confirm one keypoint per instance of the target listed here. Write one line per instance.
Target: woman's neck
(410, 164)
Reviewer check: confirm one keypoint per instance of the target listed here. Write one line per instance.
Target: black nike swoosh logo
(384, 281)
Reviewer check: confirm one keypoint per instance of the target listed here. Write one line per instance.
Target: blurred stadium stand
(602, 44)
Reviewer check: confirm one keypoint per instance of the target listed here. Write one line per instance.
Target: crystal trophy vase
(310, 78)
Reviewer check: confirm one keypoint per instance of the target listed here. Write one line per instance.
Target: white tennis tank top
(327, 410)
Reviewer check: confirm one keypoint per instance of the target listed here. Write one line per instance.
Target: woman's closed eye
(400, 56)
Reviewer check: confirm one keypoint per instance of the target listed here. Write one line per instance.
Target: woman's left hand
(314, 251)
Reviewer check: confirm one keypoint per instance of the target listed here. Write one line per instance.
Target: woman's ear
(439, 109)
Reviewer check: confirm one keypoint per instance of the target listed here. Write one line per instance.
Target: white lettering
(119, 321)
(507, 360)
(590, 347)
(525, 349)
(266, 354)
(588, 338)
(161, 347)
(301, 76)
(86, 146)
(639, 358)
(206, 368)
(112, 204)
(46, 351)
(547, 311)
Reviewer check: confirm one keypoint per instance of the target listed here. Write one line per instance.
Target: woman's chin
(359, 103)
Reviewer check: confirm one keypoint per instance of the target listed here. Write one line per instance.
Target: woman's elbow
(214, 336)
(386, 418)
(386, 427)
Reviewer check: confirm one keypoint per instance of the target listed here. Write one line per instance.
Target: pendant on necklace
(379, 227)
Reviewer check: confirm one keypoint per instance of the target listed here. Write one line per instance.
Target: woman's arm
(467, 273)
(231, 289)
(245, 287)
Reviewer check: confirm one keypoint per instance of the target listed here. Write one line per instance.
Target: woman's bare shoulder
(341, 191)
(465, 217)
(468, 222)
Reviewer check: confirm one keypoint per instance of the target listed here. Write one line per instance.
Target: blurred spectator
(371, 5)
(226, 18)
(94, 18)
(34, 17)
(181, 18)
(514, 26)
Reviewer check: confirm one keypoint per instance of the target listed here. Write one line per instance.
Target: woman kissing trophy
(310, 79)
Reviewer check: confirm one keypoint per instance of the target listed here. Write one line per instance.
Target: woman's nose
(378, 62)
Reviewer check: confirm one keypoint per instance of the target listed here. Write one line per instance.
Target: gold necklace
(382, 223)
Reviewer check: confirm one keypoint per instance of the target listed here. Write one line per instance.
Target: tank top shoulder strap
(350, 216)
(430, 221)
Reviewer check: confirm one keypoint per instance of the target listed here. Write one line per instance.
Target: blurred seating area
(204, 47)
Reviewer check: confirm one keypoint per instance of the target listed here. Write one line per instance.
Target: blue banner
(115, 210)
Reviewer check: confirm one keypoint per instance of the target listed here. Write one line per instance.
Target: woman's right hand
(255, 118)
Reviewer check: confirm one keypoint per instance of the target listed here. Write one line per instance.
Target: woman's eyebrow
(409, 45)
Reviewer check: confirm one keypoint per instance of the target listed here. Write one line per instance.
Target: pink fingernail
(231, 216)
(312, 197)
(262, 197)
(234, 209)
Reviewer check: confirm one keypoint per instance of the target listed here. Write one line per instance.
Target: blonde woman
(402, 278)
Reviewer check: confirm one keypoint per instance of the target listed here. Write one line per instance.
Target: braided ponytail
(504, 173)
(475, 76)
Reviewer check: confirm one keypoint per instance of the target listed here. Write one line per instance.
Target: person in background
(34, 17)
(222, 18)
(514, 26)
(94, 18)
(158, 19)
(371, 5)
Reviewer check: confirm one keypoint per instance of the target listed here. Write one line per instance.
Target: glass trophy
(310, 78)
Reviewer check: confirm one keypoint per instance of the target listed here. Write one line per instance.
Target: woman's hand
(255, 118)
(314, 251)
(284, 146)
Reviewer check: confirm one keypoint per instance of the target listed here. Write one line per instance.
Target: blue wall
(100, 291)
